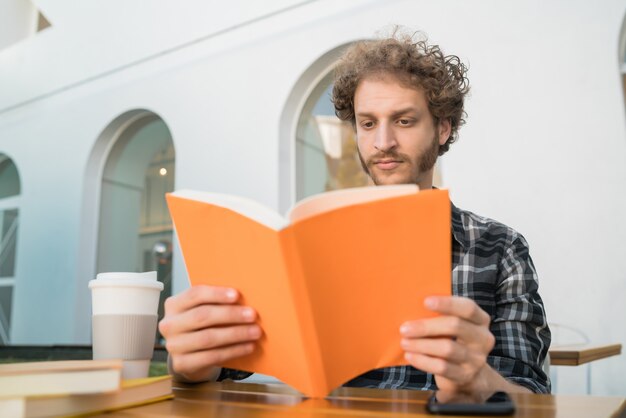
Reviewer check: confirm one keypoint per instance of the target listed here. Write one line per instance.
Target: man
(405, 101)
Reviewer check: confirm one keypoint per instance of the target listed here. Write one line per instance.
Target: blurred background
(107, 105)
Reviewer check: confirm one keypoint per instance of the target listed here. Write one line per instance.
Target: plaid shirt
(492, 266)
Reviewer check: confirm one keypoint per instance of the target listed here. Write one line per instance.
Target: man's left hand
(454, 346)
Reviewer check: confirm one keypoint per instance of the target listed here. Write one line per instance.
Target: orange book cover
(331, 283)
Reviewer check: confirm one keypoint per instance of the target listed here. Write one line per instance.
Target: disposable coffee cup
(124, 320)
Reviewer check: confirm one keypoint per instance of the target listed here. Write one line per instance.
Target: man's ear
(444, 128)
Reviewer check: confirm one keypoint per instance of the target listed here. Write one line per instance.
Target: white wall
(543, 148)
(18, 21)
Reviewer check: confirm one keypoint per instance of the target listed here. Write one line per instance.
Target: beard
(417, 165)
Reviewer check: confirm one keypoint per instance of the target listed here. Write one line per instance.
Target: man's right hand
(204, 327)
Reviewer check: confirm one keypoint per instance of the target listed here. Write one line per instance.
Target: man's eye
(404, 122)
(367, 124)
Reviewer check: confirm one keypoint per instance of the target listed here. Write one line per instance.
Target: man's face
(397, 138)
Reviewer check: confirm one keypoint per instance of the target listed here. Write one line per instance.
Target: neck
(425, 181)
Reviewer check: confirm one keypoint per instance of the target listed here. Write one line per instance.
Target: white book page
(329, 201)
(246, 207)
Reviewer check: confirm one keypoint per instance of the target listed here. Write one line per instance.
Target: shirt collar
(458, 231)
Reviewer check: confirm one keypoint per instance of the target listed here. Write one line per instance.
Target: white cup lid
(147, 279)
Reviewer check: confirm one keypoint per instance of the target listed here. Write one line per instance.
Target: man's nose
(385, 139)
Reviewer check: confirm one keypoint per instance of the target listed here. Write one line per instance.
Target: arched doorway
(135, 229)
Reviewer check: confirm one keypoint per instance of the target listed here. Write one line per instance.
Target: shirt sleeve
(232, 374)
(225, 374)
(520, 325)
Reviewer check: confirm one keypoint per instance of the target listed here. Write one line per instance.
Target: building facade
(105, 106)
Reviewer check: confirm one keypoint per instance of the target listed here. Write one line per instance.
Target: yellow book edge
(126, 406)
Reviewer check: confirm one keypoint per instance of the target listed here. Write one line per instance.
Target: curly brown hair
(415, 64)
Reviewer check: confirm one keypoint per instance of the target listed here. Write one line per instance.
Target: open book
(332, 282)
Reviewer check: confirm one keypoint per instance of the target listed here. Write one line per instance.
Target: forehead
(384, 92)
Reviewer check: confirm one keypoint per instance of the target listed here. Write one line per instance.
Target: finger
(445, 326)
(458, 306)
(439, 367)
(195, 363)
(200, 295)
(443, 348)
(212, 338)
(205, 316)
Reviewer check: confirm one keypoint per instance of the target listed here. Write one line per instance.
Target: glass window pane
(326, 152)
(159, 180)
(8, 239)
(6, 299)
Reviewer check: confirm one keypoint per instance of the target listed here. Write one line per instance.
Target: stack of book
(75, 387)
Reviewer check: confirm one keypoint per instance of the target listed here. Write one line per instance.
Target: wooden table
(234, 400)
(575, 355)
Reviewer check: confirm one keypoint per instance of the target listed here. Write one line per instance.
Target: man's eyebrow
(365, 114)
(404, 111)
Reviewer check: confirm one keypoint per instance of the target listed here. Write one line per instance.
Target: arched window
(135, 229)
(10, 189)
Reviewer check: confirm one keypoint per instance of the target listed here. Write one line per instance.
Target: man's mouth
(387, 163)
